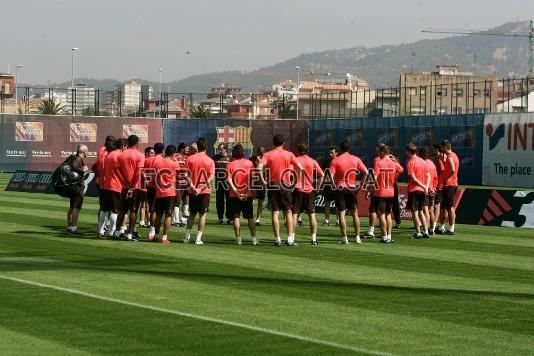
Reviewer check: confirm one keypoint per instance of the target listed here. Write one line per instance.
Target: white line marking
(198, 317)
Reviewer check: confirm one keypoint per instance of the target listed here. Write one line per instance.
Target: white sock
(326, 221)
(254, 239)
(371, 230)
(434, 226)
(345, 239)
(102, 222)
(73, 228)
(257, 220)
(186, 210)
(451, 228)
(164, 237)
(142, 222)
(176, 215)
(277, 239)
(199, 235)
(426, 232)
(152, 231)
(290, 238)
(112, 223)
(129, 236)
(314, 237)
(187, 235)
(123, 229)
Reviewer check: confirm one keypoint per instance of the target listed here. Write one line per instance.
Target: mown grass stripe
(198, 317)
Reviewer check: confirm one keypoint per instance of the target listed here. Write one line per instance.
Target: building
(226, 91)
(446, 91)
(79, 98)
(519, 103)
(133, 95)
(7, 85)
(334, 99)
(58, 96)
(174, 109)
(255, 106)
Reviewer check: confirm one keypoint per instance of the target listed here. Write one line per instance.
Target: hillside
(380, 66)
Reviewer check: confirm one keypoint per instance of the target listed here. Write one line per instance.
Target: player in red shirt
(418, 186)
(258, 188)
(280, 165)
(181, 187)
(239, 174)
(202, 172)
(386, 170)
(305, 190)
(167, 169)
(129, 165)
(450, 186)
(98, 169)
(111, 188)
(150, 174)
(428, 208)
(142, 194)
(438, 158)
(373, 202)
(345, 169)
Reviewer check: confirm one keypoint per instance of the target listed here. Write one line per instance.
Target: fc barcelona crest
(234, 135)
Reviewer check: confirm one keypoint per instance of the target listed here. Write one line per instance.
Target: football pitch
(468, 294)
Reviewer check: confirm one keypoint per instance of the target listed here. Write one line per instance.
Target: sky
(124, 39)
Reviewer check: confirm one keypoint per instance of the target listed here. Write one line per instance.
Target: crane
(529, 35)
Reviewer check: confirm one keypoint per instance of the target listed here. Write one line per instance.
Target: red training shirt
(240, 171)
(280, 164)
(453, 180)
(110, 176)
(201, 167)
(130, 163)
(310, 167)
(431, 168)
(166, 176)
(386, 172)
(416, 166)
(344, 168)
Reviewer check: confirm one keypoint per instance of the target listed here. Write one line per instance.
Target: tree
(201, 112)
(89, 111)
(49, 107)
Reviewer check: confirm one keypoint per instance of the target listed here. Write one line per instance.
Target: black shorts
(438, 198)
(448, 195)
(140, 199)
(76, 200)
(128, 204)
(164, 205)
(373, 205)
(199, 203)
(111, 201)
(280, 199)
(416, 200)
(259, 193)
(346, 199)
(236, 207)
(303, 202)
(151, 198)
(328, 194)
(384, 205)
(429, 200)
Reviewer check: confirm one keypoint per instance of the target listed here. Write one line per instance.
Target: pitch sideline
(197, 317)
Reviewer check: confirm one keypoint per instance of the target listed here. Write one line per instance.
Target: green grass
(471, 294)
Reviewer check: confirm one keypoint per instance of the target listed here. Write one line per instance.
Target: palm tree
(49, 107)
(201, 112)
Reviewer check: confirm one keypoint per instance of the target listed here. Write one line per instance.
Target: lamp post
(298, 89)
(16, 92)
(160, 70)
(72, 92)
(74, 49)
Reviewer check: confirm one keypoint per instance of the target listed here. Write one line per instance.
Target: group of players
(157, 184)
